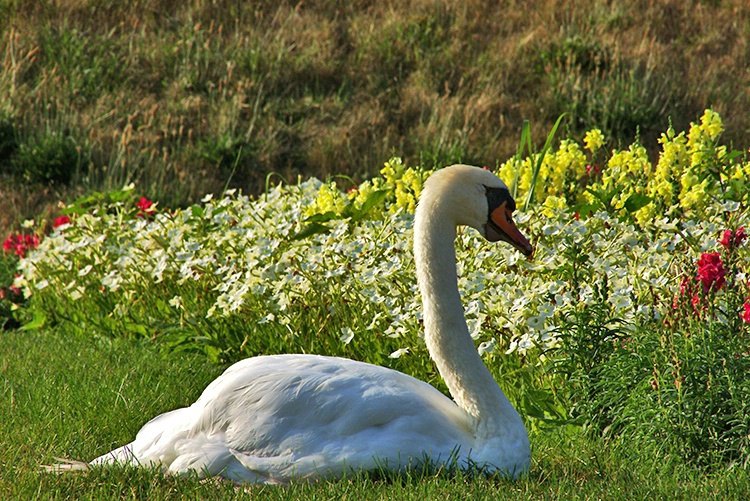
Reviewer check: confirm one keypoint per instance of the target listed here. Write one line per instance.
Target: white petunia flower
(486, 347)
(546, 310)
(176, 302)
(85, 270)
(536, 322)
(620, 301)
(346, 335)
(266, 319)
(475, 327)
(398, 353)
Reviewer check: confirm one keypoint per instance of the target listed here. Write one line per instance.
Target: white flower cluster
(239, 253)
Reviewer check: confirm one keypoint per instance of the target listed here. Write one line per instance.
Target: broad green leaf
(39, 320)
(311, 229)
(373, 200)
(636, 201)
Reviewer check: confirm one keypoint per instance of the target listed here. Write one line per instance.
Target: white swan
(276, 418)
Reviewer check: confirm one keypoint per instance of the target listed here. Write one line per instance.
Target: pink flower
(711, 271)
(61, 220)
(745, 315)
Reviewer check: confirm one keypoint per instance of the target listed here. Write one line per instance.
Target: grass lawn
(78, 398)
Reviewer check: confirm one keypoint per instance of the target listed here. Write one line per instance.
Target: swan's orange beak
(501, 227)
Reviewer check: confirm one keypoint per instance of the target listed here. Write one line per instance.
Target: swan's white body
(276, 418)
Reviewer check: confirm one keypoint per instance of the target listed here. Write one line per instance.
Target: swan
(272, 419)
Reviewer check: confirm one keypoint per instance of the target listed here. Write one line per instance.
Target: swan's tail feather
(65, 465)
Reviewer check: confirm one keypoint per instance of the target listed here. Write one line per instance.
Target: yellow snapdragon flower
(329, 199)
(708, 130)
(553, 205)
(594, 139)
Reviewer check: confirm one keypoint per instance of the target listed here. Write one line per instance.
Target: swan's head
(475, 197)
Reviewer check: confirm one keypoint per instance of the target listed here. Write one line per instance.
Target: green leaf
(311, 229)
(163, 242)
(636, 201)
(197, 211)
(40, 318)
(525, 138)
(586, 209)
(136, 328)
(604, 197)
(373, 200)
(540, 159)
(120, 195)
(321, 218)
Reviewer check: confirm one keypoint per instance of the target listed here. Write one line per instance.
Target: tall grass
(179, 97)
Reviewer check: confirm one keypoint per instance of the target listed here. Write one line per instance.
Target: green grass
(78, 398)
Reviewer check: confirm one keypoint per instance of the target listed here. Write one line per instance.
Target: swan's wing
(279, 417)
(155, 442)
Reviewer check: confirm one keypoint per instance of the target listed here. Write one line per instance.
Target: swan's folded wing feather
(300, 415)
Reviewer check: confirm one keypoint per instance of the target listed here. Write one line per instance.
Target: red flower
(726, 239)
(696, 302)
(19, 244)
(145, 204)
(739, 236)
(745, 315)
(32, 241)
(685, 286)
(9, 244)
(730, 240)
(711, 271)
(61, 220)
(592, 170)
(146, 207)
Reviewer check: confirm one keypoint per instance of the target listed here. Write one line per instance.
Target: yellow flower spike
(553, 205)
(712, 124)
(594, 139)
(708, 130)
(329, 199)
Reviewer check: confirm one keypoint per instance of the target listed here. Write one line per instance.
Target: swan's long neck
(446, 334)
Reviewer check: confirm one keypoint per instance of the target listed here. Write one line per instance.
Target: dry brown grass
(182, 96)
